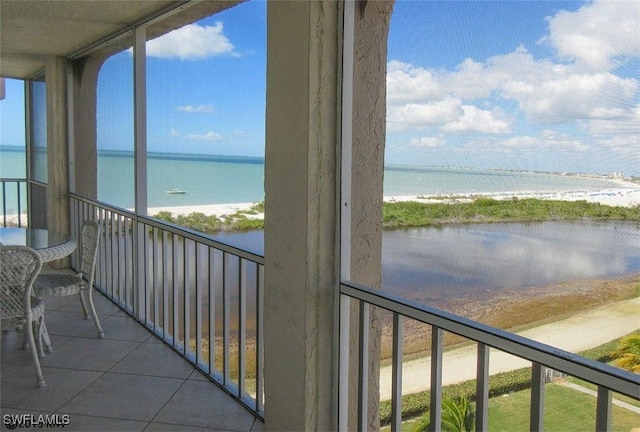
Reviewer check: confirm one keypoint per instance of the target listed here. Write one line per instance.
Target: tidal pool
(471, 260)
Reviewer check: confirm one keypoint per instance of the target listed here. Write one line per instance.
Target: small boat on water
(176, 191)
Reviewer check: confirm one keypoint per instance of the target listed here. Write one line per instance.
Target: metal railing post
(536, 422)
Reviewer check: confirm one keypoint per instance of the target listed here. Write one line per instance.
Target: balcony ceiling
(32, 30)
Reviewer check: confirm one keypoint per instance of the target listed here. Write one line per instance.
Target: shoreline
(627, 195)
(616, 197)
(208, 209)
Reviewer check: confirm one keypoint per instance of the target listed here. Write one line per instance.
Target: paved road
(579, 332)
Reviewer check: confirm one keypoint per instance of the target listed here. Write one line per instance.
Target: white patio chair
(19, 267)
(59, 285)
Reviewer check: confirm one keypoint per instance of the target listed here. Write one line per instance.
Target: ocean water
(204, 179)
(222, 179)
(407, 180)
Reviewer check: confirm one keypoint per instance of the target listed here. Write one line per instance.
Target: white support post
(140, 118)
(140, 160)
(346, 125)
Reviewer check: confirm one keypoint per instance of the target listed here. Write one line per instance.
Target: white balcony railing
(13, 201)
(200, 296)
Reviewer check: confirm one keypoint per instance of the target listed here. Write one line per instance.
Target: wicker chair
(65, 284)
(19, 267)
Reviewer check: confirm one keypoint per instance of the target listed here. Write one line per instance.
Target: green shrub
(211, 224)
(414, 214)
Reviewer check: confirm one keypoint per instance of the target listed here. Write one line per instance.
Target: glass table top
(51, 245)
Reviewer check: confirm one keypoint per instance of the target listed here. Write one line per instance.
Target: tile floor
(129, 381)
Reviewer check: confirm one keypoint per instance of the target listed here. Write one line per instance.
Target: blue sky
(532, 85)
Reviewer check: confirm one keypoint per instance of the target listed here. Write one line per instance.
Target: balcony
(97, 381)
(166, 290)
(147, 323)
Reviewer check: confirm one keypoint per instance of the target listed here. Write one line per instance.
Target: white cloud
(546, 92)
(406, 83)
(598, 35)
(527, 146)
(192, 42)
(562, 95)
(427, 142)
(420, 115)
(206, 108)
(548, 139)
(209, 136)
(477, 120)
(621, 135)
(174, 132)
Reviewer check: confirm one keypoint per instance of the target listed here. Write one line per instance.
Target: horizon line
(261, 159)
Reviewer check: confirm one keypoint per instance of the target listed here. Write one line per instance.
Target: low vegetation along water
(466, 257)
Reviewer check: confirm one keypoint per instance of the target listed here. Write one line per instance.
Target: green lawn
(623, 398)
(565, 410)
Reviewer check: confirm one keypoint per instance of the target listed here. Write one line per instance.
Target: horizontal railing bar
(201, 238)
(179, 230)
(38, 183)
(618, 380)
(104, 206)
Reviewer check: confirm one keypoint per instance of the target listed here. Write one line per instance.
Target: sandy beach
(627, 195)
(209, 210)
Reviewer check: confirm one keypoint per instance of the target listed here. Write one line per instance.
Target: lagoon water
(431, 264)
(434, 264)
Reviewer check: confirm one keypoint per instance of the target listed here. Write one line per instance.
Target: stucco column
(301, 260)
(85, 160)
(57, 150)
(371, 29)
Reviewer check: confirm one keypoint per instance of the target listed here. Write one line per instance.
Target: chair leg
(94, 314)
(37, 329)
(84, 305)
(45, 337)
(25, 337)
(34, 353)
